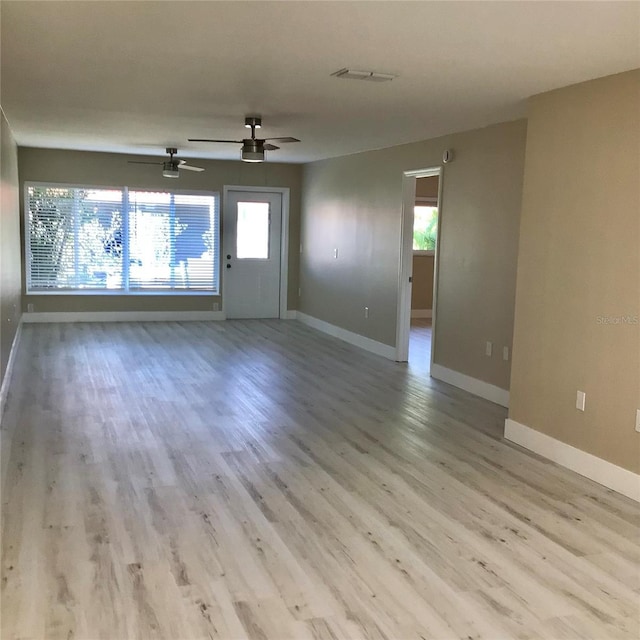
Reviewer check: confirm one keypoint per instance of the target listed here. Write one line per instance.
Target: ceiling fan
(252, 148)
(171, 167)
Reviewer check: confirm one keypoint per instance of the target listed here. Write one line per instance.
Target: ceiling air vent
(371, 76)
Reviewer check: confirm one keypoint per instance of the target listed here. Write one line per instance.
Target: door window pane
(252, 231)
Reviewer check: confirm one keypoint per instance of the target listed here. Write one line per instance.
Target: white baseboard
(421, 313)
(605, 473)
(380, 349)
(4, 389)
(472, 385)
(290, 314)
(123, 316)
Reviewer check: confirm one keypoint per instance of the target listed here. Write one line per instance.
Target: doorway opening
(418, 268)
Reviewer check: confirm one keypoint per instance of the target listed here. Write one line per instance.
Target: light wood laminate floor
(420, 346)
(256, 479)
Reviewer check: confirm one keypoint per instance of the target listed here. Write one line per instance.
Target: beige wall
(353, 204)
(579, 264)
(10, 279)
(78, 167)
(422, 286)
(427, 187)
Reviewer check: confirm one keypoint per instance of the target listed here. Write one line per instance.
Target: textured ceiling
(134, 77)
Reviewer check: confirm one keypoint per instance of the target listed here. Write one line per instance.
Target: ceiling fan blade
(285, 139)
(209, 140)
(269, 147)
(188, 167)
(143, 162)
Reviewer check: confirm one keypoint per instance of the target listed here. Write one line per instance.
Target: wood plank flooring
(420, 346)
(257, 479)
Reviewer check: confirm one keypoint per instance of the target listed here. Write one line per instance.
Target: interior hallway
(420, 345)
(258, 479)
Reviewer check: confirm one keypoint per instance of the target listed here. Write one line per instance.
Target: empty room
(320, 320)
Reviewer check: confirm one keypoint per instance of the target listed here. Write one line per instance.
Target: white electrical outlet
(335, 254)
(581, 398)
(366, 312)
(505, 353)
(216, 306)
(299, 291)
(638, 420)
(30, 308)
(488, 349)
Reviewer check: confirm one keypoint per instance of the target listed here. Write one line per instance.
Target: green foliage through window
(425, 228)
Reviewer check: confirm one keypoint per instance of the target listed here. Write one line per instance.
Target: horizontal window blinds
(173, 241)
(91, 239)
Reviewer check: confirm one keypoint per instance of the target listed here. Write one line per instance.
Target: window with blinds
(120, 240)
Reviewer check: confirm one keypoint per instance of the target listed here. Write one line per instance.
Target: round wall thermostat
(447, 156)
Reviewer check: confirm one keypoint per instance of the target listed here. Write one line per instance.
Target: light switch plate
(581, 398)
(638, 420)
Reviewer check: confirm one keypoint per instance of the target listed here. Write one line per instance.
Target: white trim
(290, 314)
(436, 270)
(380, 349)
(472, 385)
(427, 201)
(122, 316)
(605, 473)
(6, 381)
(421, 313)
(284, 254)
(405, 264)
(422, 173)
(106, 293)
(284, 236)
(405, 269)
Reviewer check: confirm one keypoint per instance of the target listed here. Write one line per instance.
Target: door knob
(228, 256)
(228, 266)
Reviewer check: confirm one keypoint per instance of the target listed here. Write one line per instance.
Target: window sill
(419, 252)
(113, 292)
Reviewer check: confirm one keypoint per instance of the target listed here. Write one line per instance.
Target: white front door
(252, 225)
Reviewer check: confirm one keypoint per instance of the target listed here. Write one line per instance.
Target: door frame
(284, 239)
(405, 267)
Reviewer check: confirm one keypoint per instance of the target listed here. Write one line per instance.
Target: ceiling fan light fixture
(171, 166)
(252, 151)
(170, 170)
(252, 155)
